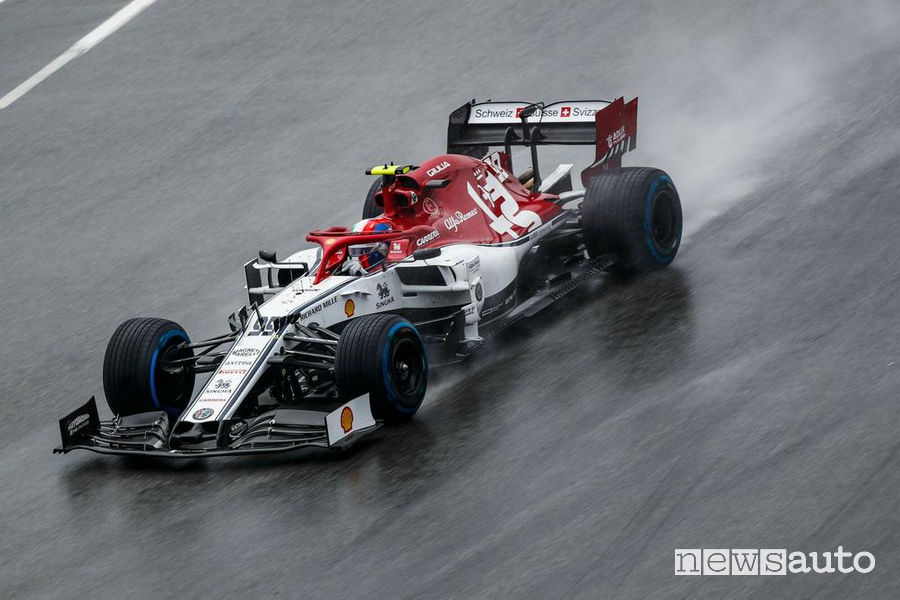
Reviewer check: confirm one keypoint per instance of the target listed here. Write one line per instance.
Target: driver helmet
(371, 253)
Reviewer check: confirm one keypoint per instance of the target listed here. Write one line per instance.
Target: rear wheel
(635, 213)
(138, 373)
(384, 356)
(370, 209)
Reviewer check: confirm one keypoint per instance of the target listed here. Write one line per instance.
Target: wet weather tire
(634, 213)
(384, 356)
(134, 378)
(370, 209)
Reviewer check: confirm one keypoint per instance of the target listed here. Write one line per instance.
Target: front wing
(280, 430)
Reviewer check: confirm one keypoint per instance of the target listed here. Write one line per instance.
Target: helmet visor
(358, 250)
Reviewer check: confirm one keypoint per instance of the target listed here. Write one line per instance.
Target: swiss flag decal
(565, 111)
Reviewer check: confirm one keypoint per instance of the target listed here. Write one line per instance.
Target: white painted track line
(105, 29)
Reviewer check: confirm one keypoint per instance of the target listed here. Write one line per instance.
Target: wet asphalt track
(747, 397)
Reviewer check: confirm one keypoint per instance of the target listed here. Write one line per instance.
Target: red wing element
(616, 135)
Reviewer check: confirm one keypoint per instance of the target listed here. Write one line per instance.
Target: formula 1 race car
(338, 339)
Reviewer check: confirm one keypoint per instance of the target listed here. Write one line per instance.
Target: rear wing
(611, 127)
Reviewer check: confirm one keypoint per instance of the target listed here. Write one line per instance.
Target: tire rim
(664, 221)
(407, 368)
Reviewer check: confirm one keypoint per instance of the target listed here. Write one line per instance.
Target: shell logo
(349, 308)
(346, 419)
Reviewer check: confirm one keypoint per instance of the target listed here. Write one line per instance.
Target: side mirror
(437, 183)
(426, 253)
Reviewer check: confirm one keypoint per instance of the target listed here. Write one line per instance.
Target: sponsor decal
(349, 307)
(580, 111)
(245, 352)
(346, 419)
(397, 249)
(453, 222)
(550, 111)
(435, 170)
(469, 310)
(317, 308)
(425, 239)
(218, 390)
(474, 266)
(232, 371)
(479, 291)
(384, 293)
(203, 413)
(431, 207)
(615, 137)
(208, 397)
(221, 386)
(508, 112)
(489, 112)
(237, 429)
(78, 423)
(564, 112)
(237, 363)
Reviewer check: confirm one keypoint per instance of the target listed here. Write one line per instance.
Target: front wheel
(139, 370)
(635, 213)
(384, 356)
